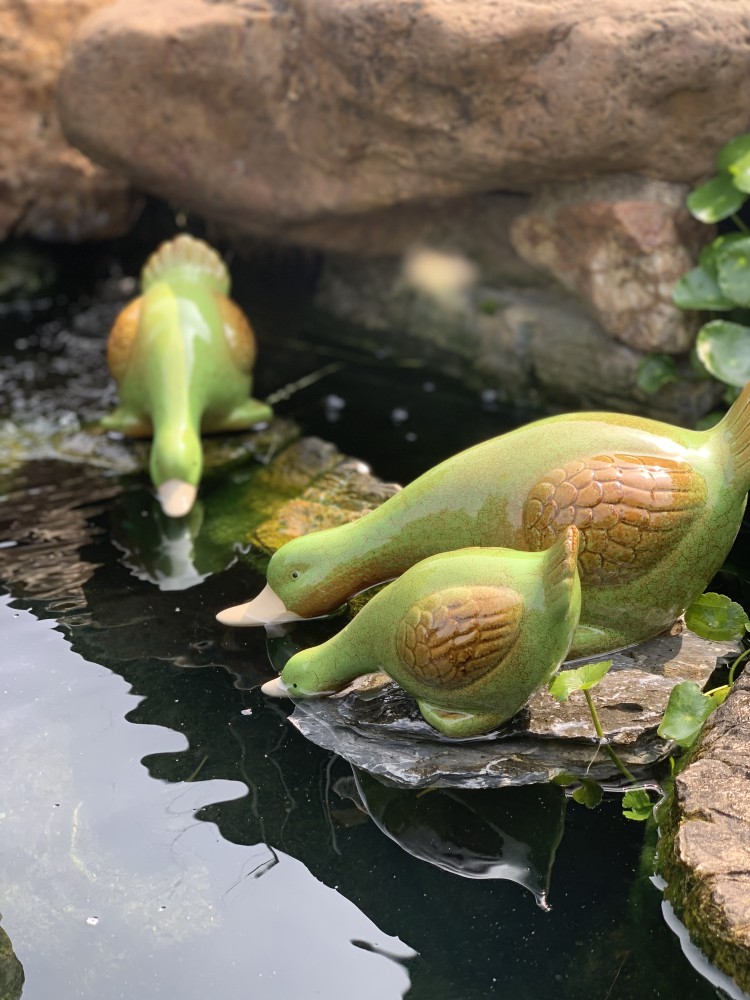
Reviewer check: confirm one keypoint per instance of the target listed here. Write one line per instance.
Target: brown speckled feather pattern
(121, 339)
(457, 635)
(629, 510)
(239, 334)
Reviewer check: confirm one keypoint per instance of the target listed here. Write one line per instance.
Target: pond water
(165, 832)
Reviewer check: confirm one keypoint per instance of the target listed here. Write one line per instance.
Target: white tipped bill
(176, 498)
(266, 609)
(275, 688)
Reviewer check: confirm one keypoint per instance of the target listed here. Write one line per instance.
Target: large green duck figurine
(471, 634)
(182, 355)
(657, 506)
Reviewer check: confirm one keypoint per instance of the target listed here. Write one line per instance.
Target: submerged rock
(705, 845)
(376, 726)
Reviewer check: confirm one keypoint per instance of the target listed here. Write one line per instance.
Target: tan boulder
(284, 119)
(705, 847)
(620, 243)
(48, 189)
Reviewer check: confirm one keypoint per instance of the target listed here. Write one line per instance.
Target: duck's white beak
(275, 688)
(176, 497)
(266, 609)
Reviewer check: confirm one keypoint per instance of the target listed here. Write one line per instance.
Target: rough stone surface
(705, 847)
(48, 189)
(620, 243)
(283, 118)
(530, 346)
(377, 727)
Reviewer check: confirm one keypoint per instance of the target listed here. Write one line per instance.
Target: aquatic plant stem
(603, 740)
(740, 224)
(743, 655)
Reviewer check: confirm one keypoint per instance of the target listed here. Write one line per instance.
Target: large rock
(282, 119)
(620, 243)
(48, 189)
(705, 848)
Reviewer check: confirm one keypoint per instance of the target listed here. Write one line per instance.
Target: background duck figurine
(471, 634)
(657, 507)
(182, 355)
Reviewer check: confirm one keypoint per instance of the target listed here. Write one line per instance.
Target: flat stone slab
(376, 726)
(705, 848)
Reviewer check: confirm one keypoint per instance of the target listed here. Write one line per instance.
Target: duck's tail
(560, 564)
(735, 428)
(190, 259)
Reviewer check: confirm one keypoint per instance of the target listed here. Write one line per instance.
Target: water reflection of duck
(471, 634)
(182, 354)
(500, 833)
(657, 506)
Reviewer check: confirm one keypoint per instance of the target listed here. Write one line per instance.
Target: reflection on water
(499, 833)
(173, 815)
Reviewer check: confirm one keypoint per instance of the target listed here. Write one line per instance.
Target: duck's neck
(384, 544)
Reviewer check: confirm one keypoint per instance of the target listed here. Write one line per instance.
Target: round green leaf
(740, 173)
(698, 289)
(724, 349)
(733, 270)
(582, 678)
(589, 793)
(715, 200)
(687, 710)
(654, 371)
(733, 151)
(714, 616)
(637, 805)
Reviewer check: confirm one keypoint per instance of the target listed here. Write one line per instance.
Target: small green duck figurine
(471, 634)
(657, 506)
(182, 355)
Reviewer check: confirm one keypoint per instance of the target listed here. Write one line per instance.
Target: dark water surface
(164, 832)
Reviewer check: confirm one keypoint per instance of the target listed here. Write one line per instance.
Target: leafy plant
(721, 281)
(636, 803)
(716, 617)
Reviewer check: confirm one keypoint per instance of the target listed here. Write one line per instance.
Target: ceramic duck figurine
(182, 355)
(658, 508)
(471, 634)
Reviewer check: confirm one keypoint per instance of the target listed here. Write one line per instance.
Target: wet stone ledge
(376, 726)
(704, 852)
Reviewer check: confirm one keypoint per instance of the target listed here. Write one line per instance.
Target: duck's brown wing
(629, 509)
(238, 333)
(456, 635)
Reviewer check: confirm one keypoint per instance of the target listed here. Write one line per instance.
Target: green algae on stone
(704, 847)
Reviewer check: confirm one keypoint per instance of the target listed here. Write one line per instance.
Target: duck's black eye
(295, 574)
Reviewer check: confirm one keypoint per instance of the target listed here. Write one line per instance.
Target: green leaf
(566, 778)
(723, 348)
(655, 371)
(698, 289)
(687, 710)
(582, 678)
(589, 794)
(715, 200)
(740, 173)
(637, 805)
(734, 150)
(715, 617)
(733, 270)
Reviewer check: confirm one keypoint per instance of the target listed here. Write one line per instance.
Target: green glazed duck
(471, 634)
(657, 506)
(182, 355)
